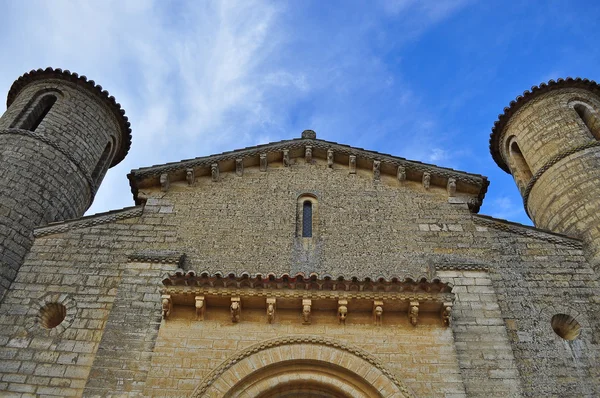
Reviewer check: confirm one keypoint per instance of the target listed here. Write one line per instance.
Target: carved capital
(271, 307)
(214, 172)
(352, 164)
(235, 309)
(239, 167)
(189, 176)
(263, 162)
(167, 305)
(164, 182)
(426, 180)
(413, 312)
(377, 312)
(376, 170)
(330, 158)
(200, 307)
(306, 307)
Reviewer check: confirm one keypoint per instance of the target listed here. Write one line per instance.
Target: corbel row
(263, 164)
(235, 310)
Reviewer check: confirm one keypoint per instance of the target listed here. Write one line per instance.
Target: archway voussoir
(306, 363)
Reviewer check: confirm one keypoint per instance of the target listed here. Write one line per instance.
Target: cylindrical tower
(58, 137)
(549, 140)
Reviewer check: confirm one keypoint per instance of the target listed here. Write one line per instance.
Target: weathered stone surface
(237, 221)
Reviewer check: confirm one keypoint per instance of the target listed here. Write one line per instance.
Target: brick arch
(304, 363)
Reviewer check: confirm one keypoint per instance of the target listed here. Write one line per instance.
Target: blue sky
(424, 80)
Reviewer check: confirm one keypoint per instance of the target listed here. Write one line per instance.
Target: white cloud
(202, 77)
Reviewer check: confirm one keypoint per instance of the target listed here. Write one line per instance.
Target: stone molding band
(158, 256)
(41, 138)
(528, 231)
(103, 218)
(555, 159)
(313, 294)
(228, 363)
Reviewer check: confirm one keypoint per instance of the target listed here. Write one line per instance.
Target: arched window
(520, 168)
(103, 162)
(589, 118)
(31, 117)
(306, 216)
(307, 219)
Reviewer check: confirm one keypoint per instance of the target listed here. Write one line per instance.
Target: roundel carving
(301, 366)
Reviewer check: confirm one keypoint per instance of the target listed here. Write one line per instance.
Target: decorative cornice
(65, 153)
(520, 101)
(555, 159)
(421, 296)
(89, 221)
(476, 180)
(158, 256)
(80, 81)
(299, 283)
(281, 341)
(530, 232)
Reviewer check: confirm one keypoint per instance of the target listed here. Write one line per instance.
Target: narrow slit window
(102, 164)
(307, 219)
(591, 120)
(521, 170)
(38, 113)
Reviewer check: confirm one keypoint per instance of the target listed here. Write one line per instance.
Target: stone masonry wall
(85, 265)
(422, 357)
(46, 173)
(248, 223)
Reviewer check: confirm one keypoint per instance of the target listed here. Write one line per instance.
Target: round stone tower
(549, 140)
(58, 137)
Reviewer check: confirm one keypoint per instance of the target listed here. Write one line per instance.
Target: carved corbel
(306, 304)
(451, 187)
(352, 164)
(167, 305)
(200, 307)
(189, 176)
(239, 167)
(447, 314)
(426, 180)
(286, 158)
(164, 182)
(342, 311)
(235, 309)
(308, 154)
(271, 307)
(376, 170)
(473, 204)
(214, 172)
(413, 312)
(263, 162)
(377, 312)
(330, 158)
(401, 174)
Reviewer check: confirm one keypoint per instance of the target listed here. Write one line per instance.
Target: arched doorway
(295, 367)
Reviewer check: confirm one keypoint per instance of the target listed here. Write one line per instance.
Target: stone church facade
(299, 268)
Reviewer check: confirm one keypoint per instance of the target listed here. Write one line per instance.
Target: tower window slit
(307, 219)
(41, 108)
(591, 120)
